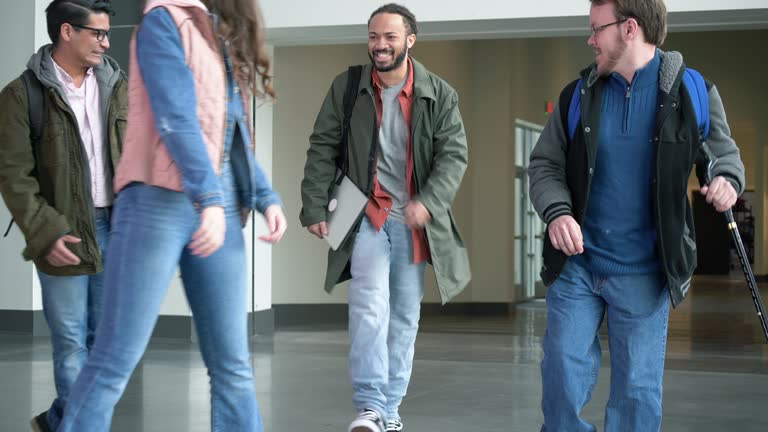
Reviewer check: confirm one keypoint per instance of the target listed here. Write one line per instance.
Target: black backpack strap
(37, 104)
(38, 114)
(350, 97)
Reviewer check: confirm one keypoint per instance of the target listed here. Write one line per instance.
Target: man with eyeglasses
(58, 188)
(611, 184)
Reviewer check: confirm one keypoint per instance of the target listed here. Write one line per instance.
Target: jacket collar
(422, 85)
(41, 63)
(669, 70)
(407, 86)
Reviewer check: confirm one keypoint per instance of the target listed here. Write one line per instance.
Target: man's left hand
(720, 193)
(416, 215)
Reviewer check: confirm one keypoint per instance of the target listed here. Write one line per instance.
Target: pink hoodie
(145, 158)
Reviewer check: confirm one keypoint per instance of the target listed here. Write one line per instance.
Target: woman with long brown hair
(187, 181)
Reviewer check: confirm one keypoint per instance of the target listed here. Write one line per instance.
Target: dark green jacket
(48, 191)
(439, 157)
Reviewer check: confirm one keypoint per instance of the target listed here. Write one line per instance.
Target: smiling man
(408, 153)
(59, 187)
(609, 176)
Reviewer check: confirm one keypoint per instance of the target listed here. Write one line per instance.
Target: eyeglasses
(100, 33)
(598, 29)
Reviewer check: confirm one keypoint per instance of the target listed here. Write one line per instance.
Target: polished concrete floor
(471, 375)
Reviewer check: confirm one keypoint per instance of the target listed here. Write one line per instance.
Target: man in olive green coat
(60, 192)
(407, 153)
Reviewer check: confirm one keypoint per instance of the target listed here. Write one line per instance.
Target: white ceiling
(745, 19)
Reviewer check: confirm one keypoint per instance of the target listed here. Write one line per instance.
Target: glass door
(529, 229)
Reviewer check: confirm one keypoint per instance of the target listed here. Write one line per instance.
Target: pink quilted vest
(145, 157)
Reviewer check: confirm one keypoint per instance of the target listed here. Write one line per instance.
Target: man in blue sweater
(620, 237)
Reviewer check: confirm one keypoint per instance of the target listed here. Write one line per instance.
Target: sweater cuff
(556, 210)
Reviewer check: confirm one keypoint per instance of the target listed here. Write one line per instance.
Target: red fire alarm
(549, 107)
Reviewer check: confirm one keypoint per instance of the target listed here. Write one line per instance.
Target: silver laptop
(344, 207)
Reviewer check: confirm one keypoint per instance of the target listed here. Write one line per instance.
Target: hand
(276, 224)
(319, 229)
(60, 255)
(720, 193)
(210, 234)
(416, 215)
(565, 235)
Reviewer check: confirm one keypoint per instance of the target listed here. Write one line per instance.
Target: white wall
(16, 287)
(301, 13)
(262, 252)
(342, 21)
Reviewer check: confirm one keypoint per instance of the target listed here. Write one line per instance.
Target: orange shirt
(380, 203)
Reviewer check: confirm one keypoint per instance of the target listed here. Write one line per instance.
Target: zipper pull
(629, 91)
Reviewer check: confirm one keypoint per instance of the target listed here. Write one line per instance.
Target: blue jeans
(384, 307)
(151, 229)
(72, 308)
(637, 309)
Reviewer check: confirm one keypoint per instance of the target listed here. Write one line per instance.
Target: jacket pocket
(455, 229)
(52, 149)
(120, 125)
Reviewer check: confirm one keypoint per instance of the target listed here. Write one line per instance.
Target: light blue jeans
(384, 308)
(637, 309)
(72, 308)
(151, 229)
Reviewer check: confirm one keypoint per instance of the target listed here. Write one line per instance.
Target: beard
(612, 57)
(398, 59)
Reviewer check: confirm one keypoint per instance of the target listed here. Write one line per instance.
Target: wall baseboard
(168, 326)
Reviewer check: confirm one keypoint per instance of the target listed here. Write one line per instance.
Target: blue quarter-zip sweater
(170, 86)
(619, 227)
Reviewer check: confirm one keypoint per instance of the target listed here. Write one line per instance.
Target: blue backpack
(693, 82)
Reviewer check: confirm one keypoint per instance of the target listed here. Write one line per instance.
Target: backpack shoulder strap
(697, 90)
(38, 113)
(573, 104)
(350, 97)
(36, 105)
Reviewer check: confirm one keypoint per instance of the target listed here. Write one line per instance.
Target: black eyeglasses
(100, 33)
(598, 29)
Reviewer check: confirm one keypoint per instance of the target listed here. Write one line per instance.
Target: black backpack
(37, 105)
(350, 97)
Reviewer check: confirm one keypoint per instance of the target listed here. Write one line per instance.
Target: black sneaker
(367, 421)
(394, 426)
(40, 423)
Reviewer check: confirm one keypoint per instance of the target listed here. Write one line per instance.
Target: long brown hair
(241, 23)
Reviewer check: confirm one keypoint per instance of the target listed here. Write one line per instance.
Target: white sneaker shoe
(394, 426)
(367, 421)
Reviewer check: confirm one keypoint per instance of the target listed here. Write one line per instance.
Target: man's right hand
(565, 235)
(60, 255)
(319, 229)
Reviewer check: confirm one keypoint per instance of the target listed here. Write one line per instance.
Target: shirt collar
(646, 76)
(407, 88)
(64, 76)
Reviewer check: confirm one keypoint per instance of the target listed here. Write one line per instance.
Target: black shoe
(40, 423)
